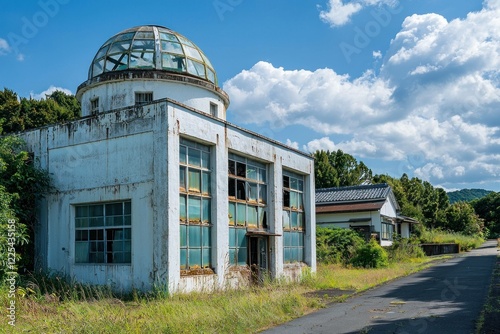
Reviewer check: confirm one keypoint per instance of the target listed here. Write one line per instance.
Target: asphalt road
(446, 298)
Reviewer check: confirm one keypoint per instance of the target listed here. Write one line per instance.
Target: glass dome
(152, 47)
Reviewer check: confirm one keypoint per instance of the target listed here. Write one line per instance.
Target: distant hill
(467, 195)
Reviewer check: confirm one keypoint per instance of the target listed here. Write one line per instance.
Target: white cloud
(49, 91)
(20, 57)
(4, 47)
(340, 13)
(377, 54)
(437, 97)
(322, 100)
(292, 144)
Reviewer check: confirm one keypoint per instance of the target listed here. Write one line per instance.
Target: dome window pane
(102, 52)
(124, 37)
(145, 34)
(185, 41)
(142, 60)
(173, 62)
(117, 62)
(196, 68)
(168, 37)
(98, 67)
(193, 53)
(144, 44)
(171, 47)
(210, 75)
(205, 59)
(119, 47)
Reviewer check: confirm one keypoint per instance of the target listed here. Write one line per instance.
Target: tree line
(417, 198)
(20, 113)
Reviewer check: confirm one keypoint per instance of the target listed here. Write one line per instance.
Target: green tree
(488, 208)
(23, 183)
(461, 217)
(13, 235)
(325, 174)
(23, 114)
(339, 169)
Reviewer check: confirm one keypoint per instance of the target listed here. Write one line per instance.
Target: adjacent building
(370, 209)
(153, 187)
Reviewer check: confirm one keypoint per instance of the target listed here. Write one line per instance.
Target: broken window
(293, 217)
(103, 233)
(247, 192)
(195, 205)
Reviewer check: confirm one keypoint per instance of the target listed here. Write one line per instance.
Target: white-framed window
(387, 231)
(293, 217)
(214, 109)
(247, 190)
(143, 97)
(94, 106)
(195, 205)
(103, 233)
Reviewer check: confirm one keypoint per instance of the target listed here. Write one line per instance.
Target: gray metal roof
(371, 192)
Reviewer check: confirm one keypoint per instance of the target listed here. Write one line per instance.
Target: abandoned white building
(370, 209)
(154, 187)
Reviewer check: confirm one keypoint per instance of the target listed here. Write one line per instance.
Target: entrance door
(258, 255)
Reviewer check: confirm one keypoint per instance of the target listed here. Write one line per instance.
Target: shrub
(437, 236)
(371, 255)
(336, 245)
(404, 249)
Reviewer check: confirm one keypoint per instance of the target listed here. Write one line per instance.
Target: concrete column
(275, 183)
(172, 255)
(310, 216)
(220, 229)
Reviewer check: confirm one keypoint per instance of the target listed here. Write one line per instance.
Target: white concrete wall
(119, 94)
(388, 209)
(98, 160)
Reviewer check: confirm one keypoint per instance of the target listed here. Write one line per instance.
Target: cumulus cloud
(292, 144)
(322, 100)
(339, 13)
(4, 47)
(49, 91)
(437, 97)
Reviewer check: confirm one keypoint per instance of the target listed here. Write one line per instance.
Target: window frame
(108, 227)
(247, 197)
(214, 109)
(293, 217)
(386, 231)
(191, 166)
(94, 106)
(141, 98)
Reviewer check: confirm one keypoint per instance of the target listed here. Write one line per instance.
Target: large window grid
(247, 190)
(293, 217)
(195, 205)
(103, 233)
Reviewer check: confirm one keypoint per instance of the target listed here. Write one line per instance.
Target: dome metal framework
(152, 47)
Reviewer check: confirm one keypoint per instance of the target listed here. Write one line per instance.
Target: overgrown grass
(69, 310)
(437, 236)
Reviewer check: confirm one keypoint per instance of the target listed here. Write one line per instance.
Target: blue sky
(405, 86)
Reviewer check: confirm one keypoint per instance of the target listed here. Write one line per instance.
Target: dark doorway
(258, 256)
